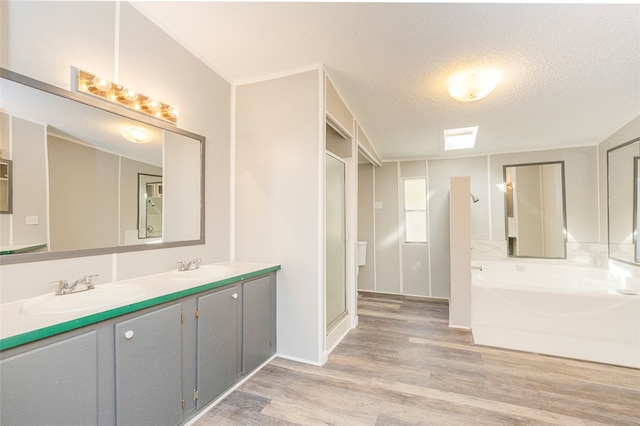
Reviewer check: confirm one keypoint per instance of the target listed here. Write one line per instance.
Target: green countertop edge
(41, 333)
(23, 250)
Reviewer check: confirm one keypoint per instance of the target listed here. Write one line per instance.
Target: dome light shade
(136, 134)
(473, 86)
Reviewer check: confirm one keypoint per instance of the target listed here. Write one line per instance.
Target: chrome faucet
(183, 265)
(65, 288)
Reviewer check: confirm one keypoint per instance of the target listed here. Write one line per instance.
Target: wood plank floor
(404, 366)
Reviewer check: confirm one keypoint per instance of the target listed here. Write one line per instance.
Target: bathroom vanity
(156, 359)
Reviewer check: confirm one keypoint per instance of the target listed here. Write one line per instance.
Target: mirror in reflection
(5, 186)
(622, 191)
(84, 171)
(149, 206)
(535, 210)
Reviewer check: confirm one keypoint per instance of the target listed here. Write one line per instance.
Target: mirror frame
(8, 259)
(635, 205)
(564, 207)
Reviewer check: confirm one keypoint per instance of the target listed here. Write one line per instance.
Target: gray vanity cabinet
(148, 368)
(218, 343)
(258, 321)
(158, 366)
(56, 384)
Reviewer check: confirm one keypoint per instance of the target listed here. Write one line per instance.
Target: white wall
(43, 40)
(279, 152)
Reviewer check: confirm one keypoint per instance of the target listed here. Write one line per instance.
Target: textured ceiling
(571, 72)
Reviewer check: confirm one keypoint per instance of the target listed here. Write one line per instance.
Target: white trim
(116, 44)
(323, 359)
(489, 198)
(482, 154)
(426, 167)
(47, 183)
(374, 244)
(335, 125)
(232, 177)
(401, 222)
(319, 67)
(366, 154)
(341, 329)
(320, 190)
(598, 190)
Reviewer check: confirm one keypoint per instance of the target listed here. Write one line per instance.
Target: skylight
(462, 138)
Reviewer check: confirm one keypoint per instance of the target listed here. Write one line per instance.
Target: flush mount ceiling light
(102, 88)
(462, 138)
(473, 86)
(136, 134)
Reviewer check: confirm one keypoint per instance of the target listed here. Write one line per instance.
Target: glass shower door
(335, 244)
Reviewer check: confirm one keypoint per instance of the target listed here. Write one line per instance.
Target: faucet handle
(88, 280)
(60, 285)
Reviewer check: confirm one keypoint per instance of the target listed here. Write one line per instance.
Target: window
(415, 210)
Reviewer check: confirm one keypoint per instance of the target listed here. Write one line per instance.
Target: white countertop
(17, 328)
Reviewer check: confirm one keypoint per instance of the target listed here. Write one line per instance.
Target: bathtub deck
(404, 366)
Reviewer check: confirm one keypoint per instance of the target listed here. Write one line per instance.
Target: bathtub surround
(575, 312)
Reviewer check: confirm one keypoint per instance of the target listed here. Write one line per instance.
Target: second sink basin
(102, 296)
(203, 273)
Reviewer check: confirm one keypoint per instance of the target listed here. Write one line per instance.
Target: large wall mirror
(623, 199)
(93, 178)
(535, 210)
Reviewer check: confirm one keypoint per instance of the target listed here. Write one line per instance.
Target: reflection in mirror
(622, 191)
(149, 206)
(77, 186)
(5, 186)
(636, 206)
(535, 210)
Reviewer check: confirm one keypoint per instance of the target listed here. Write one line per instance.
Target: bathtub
(575, 312)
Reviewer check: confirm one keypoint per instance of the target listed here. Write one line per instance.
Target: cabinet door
(258, 321)
(56, 384)
(218, 343)
(149, 368)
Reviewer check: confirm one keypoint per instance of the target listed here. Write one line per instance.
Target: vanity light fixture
(136, 134)
(472, 86)
(102, 88)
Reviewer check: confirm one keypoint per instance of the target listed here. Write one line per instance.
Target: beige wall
(93, 222)
(365, 225)
(487, 216)
(29, 174)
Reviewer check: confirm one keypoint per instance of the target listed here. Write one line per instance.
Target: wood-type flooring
(403, 365)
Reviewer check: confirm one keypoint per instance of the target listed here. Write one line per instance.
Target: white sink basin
(102, 296)
(203, 273)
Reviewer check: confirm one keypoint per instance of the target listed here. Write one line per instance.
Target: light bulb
(172, 112)
(129, 95)
(101, 84)
(152, 105)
